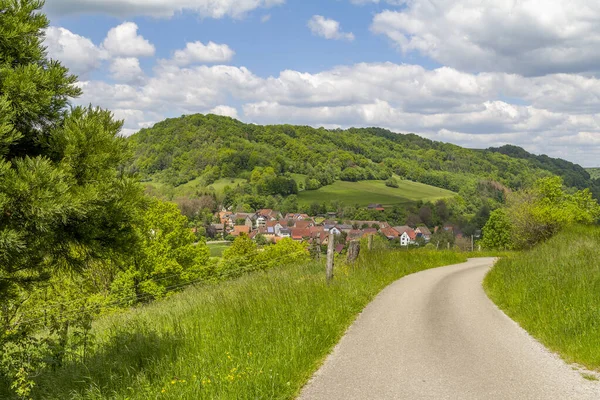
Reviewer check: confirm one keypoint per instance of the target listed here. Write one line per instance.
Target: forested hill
(210, 147)
(573, 175)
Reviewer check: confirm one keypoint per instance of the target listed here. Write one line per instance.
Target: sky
(478, 73)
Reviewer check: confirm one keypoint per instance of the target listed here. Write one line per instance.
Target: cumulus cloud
(159, 8)
(226, 111)
(197, 52)
(528, 37)
(126, 70)
(124, 41)
(328, 28)
(76, 52)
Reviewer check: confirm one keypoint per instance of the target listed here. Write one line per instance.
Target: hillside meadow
(553, 292)
(258, 337)
(366, 192)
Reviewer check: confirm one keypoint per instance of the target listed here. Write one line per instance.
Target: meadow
(258, 337)
(217, 249)
(366, 192)
(553, 292)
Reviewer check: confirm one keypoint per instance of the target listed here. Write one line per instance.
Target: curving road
(436, 335)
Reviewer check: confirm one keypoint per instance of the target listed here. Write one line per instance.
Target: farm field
(366, 192)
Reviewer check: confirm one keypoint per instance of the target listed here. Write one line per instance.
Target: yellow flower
(173, 382)
(164, 390)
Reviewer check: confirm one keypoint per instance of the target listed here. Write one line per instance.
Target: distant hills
(207, 148)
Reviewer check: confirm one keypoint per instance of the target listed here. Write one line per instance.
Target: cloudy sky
(478, 73)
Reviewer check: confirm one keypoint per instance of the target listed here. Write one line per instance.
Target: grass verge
(259, 337)
(553, 292)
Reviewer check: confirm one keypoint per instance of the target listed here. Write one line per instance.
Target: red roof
(299, 233)
(390, 232)
(238, 229)
(303, 224)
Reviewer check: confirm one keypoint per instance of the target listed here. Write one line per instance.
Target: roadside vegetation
(553, 292)
(260, 336)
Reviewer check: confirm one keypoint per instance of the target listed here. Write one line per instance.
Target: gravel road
(436, 335)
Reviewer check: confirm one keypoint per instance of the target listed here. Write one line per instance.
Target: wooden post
(370, 242)
(353, 251)
(330, 251)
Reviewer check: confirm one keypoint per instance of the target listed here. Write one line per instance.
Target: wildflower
(173, 382)
(249, 354)
(163, 391)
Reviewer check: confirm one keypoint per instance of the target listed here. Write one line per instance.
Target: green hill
(198, 153)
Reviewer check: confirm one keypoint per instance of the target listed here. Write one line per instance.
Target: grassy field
(594, 172)
(367, 192)
(190, 188)
(259, 337)
(553, 291)
(216, 250)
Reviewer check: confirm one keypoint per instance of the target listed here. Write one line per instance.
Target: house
(404, 239)
(240, 229)
(369, 232)
(300, 233)
(224, 216)
(285, 233)
(297, 217)
(410, 233)
(303, 224)
(261, 222)
(390, 233)
(219, 228)
(424, 232)
(268, 214)
(339, 248)
(335, 231)
(355, 234)
(377, 207)
(234, 219)
(344, 228)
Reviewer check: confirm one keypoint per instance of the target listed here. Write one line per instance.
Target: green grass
(190, 188)
(216, 250)
(259, 337)
(553, 292)
(367, 192)
(594, 172)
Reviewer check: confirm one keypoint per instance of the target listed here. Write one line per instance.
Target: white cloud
(265, 18)
(159, 8)
(197, 52)
(225, 111)
(126, 70)
(124, 41)
(76, 52)
(328, 28)
(529, 37)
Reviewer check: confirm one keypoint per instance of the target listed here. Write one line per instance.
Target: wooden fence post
(370, 242)
(353, 251)
(330, 251)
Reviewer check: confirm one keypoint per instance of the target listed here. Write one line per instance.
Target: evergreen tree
(65, 200)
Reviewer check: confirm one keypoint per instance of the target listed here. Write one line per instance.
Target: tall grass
(259, 337)
(553, 291)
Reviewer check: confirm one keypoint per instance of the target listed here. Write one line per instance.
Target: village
(271, 226)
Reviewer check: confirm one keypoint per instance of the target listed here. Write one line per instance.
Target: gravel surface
(436, 335)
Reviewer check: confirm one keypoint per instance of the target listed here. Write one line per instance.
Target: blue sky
(478, 74)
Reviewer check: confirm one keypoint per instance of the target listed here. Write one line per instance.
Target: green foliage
(552, 292)
(497, 232)
(392, 182)
(538, 213)
(233, 340)
(167, 257)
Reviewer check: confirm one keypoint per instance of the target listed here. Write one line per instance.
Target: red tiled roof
(300, 233)
(238, 229)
